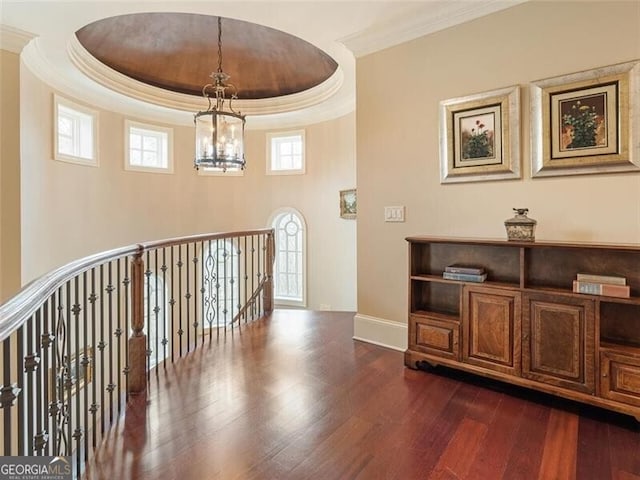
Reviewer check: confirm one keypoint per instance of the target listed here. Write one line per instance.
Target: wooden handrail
(15, 311)
(250, 301)
(200, 238)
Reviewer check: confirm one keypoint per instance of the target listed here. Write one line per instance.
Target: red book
(621, 291)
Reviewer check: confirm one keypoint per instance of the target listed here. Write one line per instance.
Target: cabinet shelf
(536, 288)
(606, 299)
(632, 349)
(437, 315)
(569, 291)
(524, 323)
(488, 283)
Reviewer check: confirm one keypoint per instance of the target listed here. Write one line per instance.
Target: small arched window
(290, 263)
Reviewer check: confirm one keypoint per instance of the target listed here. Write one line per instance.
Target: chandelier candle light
(219, 133)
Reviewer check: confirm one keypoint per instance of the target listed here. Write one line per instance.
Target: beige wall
(70, 211)
(9, 174)
(331, 242)
(397, 140)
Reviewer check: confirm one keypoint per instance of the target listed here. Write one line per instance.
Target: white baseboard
(380, 332)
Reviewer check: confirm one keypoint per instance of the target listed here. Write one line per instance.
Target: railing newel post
(267, 299)
(138, 338)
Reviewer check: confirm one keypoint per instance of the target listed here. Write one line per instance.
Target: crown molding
(95, 84)
(115, 81)
(424, 22)
(91, 94)
(300, 118)
(13, 39)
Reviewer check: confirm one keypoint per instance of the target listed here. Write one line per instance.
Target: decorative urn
(520, 228)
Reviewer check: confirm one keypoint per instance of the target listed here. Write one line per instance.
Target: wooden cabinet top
(633, 247)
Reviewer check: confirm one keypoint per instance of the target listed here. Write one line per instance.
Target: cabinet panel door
(435, 336)
(620, 377)
(558, 345)
(491, 324)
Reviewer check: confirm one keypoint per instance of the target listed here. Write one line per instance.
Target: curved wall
(69, 211)
(9, 174)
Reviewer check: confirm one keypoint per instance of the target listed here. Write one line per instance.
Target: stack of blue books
(465, 273)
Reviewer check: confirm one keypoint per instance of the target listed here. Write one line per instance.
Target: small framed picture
(81, 374)
(480, 137)
(585, 122)
(348, 204)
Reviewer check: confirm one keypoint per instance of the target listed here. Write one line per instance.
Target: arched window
(220, 283)
(290, 265)
(156, 318)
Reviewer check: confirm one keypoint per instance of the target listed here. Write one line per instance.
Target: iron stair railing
(76, 342)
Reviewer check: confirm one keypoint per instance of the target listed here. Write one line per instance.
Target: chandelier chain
(219, 45)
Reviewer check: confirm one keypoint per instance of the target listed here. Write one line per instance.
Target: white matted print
(480, 137)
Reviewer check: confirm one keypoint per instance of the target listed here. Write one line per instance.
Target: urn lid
(520, 218)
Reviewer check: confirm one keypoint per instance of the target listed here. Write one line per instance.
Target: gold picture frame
(480, 137)
(348, 204)
(586, 122)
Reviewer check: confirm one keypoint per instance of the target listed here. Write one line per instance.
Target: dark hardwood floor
(294, 397)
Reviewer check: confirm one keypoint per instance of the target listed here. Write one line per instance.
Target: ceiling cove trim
(113, 80)
(300, 118)
(13, 39)
(393, 33)
(82, 89)
(92, 94)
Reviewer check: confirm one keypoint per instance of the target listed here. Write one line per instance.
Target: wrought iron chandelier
(219, 132)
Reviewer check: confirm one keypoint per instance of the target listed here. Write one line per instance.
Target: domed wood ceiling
(178, 52)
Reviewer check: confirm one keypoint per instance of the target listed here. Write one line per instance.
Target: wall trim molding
(380, 331)
(442, 15)
(13, 39)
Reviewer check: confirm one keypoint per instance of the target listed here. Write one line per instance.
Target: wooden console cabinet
(524, 324)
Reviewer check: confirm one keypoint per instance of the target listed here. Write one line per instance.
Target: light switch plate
(394, 214)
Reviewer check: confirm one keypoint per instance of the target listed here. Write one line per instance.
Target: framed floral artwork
(585, 122)
(480, 137)
(348, 204)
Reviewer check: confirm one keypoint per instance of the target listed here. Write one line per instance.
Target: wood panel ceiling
(178, 52)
